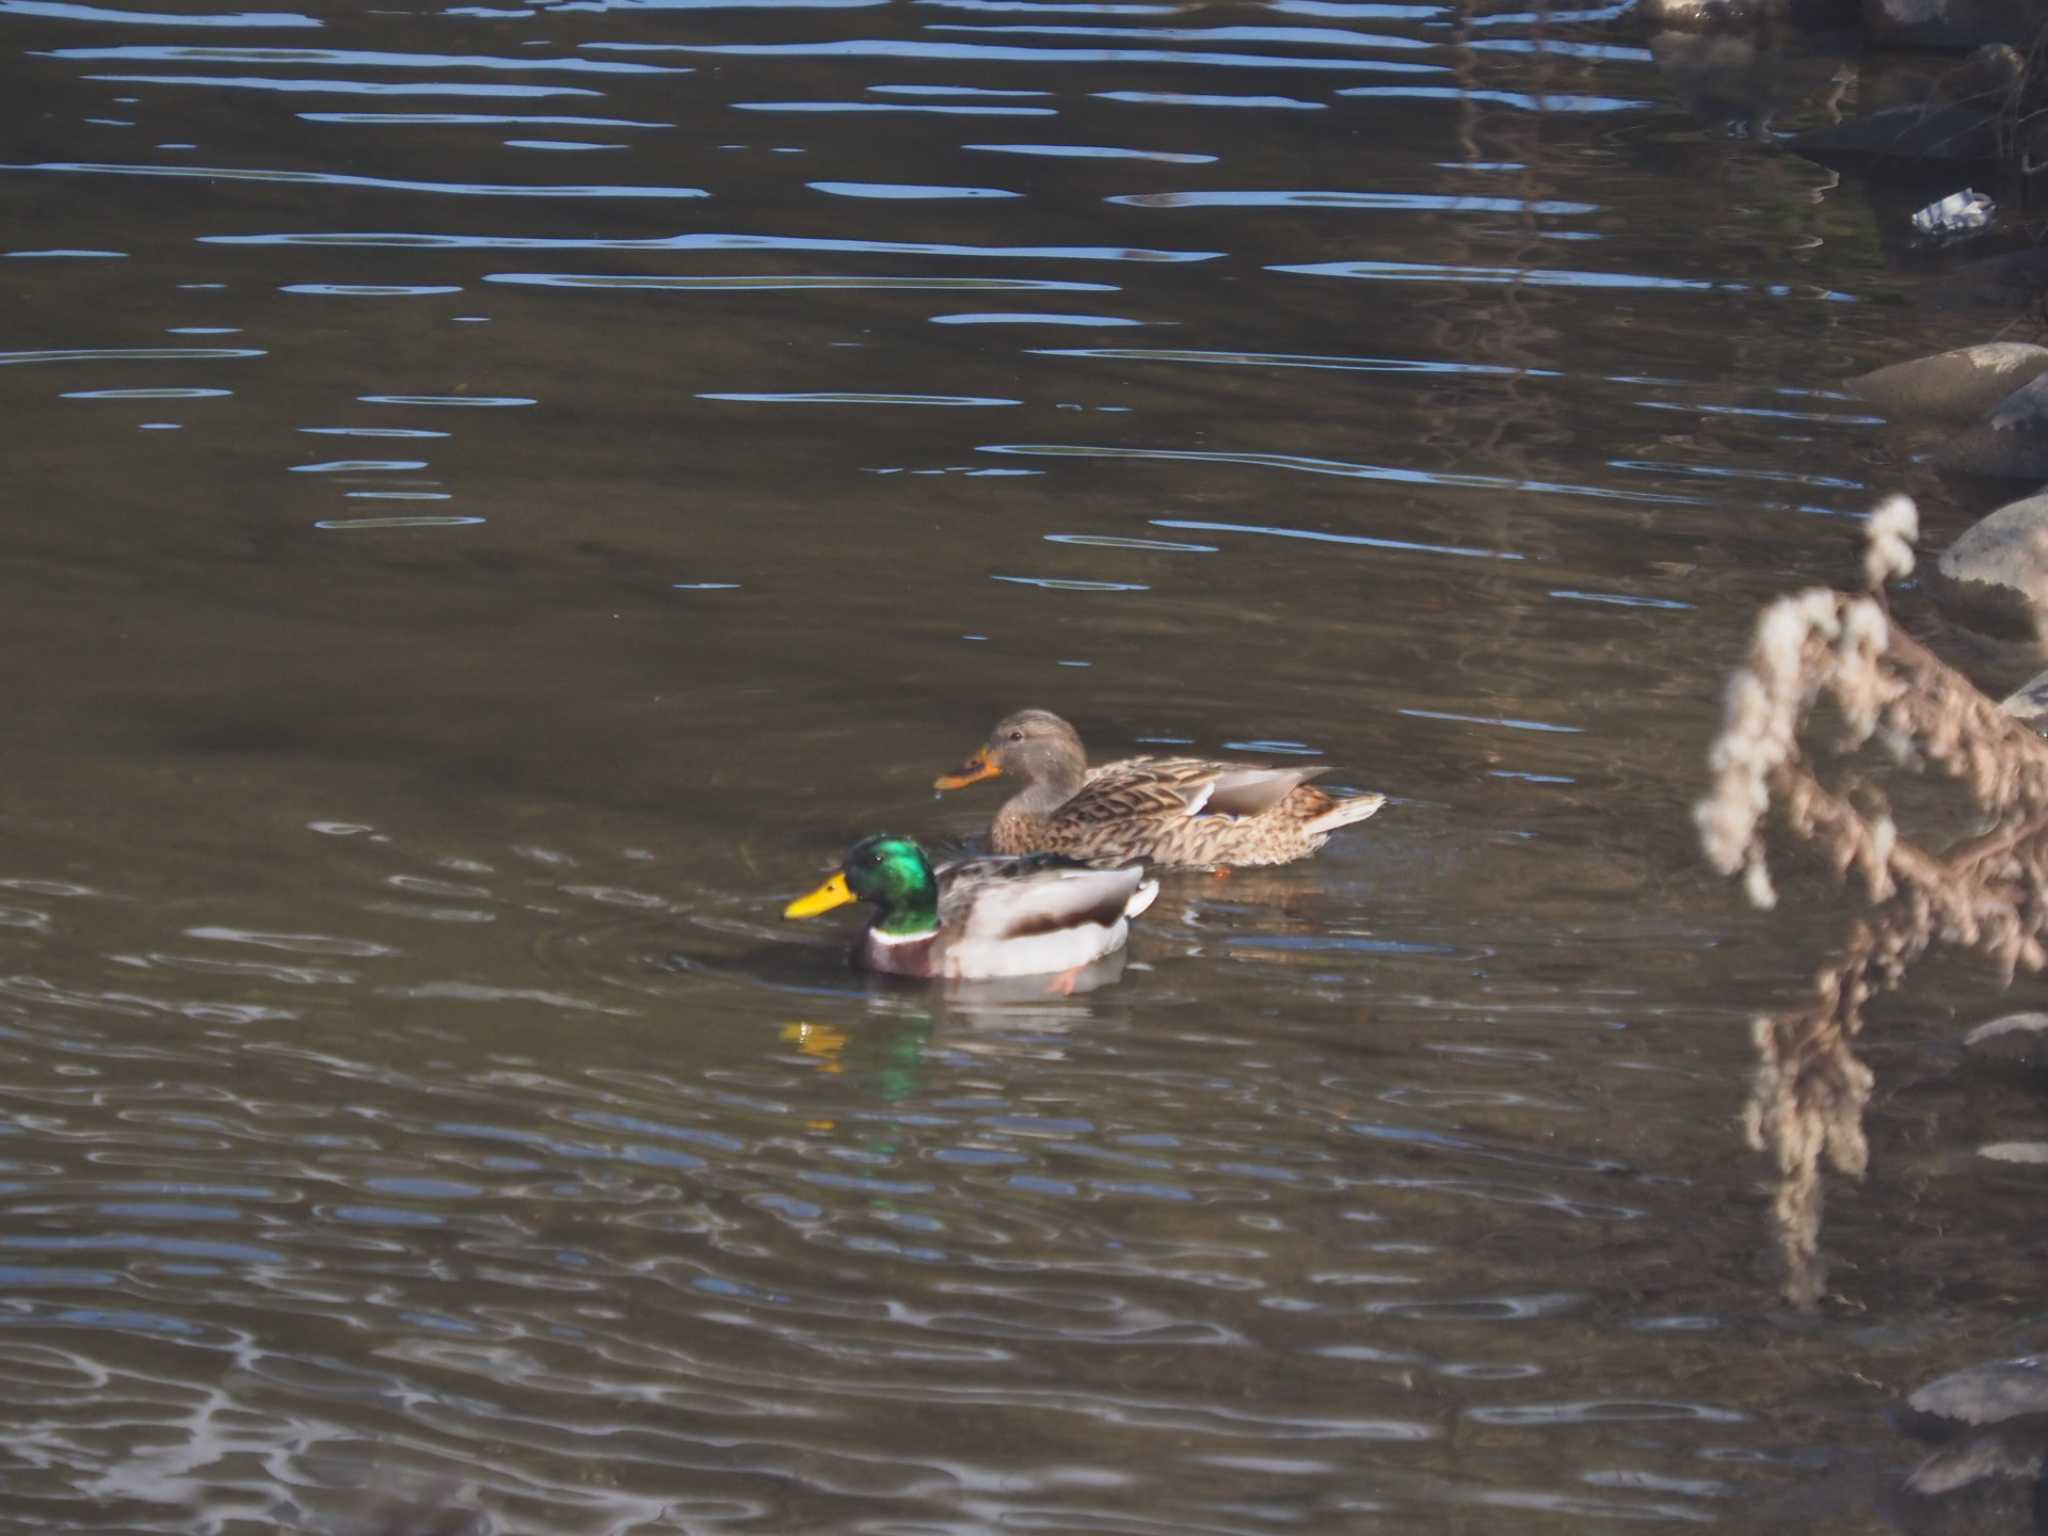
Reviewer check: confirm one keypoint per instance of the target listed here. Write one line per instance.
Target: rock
(2012, 442)
(1986, 1484)
(1950, 134)
(1952, 386)
(1995, 577)
(1952, 23)
(2017, 1039)
(1992, 1422)
(1977, 1395)
(2012, 281)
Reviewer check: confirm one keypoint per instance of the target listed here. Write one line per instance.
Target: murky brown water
(500, 496)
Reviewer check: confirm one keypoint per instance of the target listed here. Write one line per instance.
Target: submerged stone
(2011, 281)
(1952, 23)
(1986, 1484)
(1952, 386)
(2012, 442)
(2017, 1039)
(1994, 578)
(1992, 1423)
(1914, 133)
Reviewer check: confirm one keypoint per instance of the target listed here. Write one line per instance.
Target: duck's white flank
(901, 938)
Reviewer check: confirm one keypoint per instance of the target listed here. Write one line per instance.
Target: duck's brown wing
(1168, 788)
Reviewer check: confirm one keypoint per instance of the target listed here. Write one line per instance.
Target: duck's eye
(1016, 735)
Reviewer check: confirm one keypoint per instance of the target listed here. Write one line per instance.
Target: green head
(889, 872)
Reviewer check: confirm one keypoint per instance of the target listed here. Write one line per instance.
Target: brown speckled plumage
(1164, 810)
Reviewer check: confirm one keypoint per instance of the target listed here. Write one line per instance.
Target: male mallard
(1164, 810)
(980, 917)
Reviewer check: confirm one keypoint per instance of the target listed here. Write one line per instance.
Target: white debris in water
(1955, 214)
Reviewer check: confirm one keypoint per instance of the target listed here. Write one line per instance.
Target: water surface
(504, 494)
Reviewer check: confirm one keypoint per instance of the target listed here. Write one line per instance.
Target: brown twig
(1988, 892)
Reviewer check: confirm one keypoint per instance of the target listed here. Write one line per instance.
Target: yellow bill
(973, 771)
(833, 893)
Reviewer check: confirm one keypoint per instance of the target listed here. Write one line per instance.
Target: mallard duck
(980, 917)
(1164, 810)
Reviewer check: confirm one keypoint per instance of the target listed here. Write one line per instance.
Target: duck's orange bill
(973, 771)
(833, 893)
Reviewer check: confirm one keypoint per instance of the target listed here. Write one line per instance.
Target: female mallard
(1164, 810)
(980, 917)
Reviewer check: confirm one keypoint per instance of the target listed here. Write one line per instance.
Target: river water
(502, 495)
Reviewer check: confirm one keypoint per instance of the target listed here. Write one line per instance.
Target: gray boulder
(1994, 578)
(1952, 386)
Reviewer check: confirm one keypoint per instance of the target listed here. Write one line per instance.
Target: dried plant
(1987, 892)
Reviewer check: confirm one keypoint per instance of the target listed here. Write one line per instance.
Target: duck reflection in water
(890, 1060)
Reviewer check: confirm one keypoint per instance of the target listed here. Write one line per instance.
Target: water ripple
(1542, 277)
(1604, 1411)
(1330, 37)
(477, 119)
(1094, 152)
(1407, 202)
(1194, 99)
(903, 107)
(856, 397)
(1018, 318)
(1301, 464)
(349, 87)
(486, 402)
(131, 355)
(166, 393)
(949, 90)
(422, 1083)
(296, 943)
(213, 173)
(1522, 100)
(711, 242)
(68, 10)
(214, 54)
(1506, 722)
(1298, 360)
(882, 48)
(882, 191)
(1072, 584)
